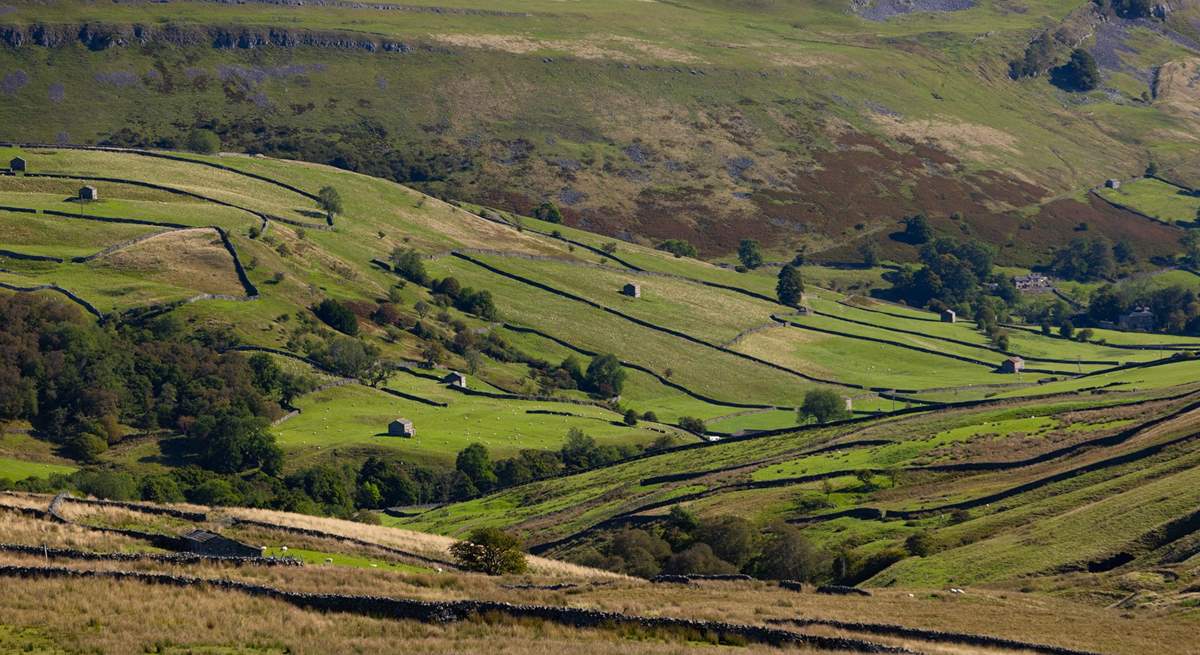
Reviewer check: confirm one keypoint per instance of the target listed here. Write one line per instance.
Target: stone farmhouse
(89, 193)
(1141, 319)
(1032, 282)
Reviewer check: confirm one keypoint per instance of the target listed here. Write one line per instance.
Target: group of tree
(686, 545)
(952, 273)
(579, 452)
(464, 299)
(1079, 73)
(86, 386)
(603, 378)
(1089, 259)
(1176, 308)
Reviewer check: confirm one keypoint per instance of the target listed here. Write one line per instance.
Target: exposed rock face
(101, 36)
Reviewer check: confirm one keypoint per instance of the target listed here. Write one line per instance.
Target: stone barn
(633, 290)
(89, 193)
(1012, 365)
(455, 379)
(17, 164)
(401, 427)
(1112, 184)
(948, 316)
(203, 542)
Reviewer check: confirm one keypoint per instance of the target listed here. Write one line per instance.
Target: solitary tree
(491, 551)
(823, 405)
(917, 230)
(329, 200)
(749, 253)
(790, 288)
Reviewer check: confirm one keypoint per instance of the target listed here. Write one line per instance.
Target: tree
(409, 265)
(329, 200)
(491, 551)
(337, 316)
(920, 544)
(631, 417)
(1080, 73)
(917, 229)
(750, 254)
(790, 288)
(549, 212)
(605, 376)
(203, 141)
(475, 462)
(823, 405)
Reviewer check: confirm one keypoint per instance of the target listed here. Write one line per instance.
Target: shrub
(920, 544)
(631, 417)
(491, 551)
(678, 247)
(549, 212)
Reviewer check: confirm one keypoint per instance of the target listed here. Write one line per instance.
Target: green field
(1153, 197)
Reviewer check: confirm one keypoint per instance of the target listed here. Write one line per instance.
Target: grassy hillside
(814, 123)
(944, 473)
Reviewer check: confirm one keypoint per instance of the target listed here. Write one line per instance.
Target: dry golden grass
(192, 259)
(135, 617)
(29, 531)
(967, 140)
(420, 543)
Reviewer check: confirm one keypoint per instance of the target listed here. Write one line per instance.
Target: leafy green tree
(205, 142)
(491, 551)
(693, 424)
(790, 287)
(329, 200)
(920, 544)
(476, 463)
(732, 538)
(750, 253)
(823, 405)
(1191, 247)
(605, 376)
(631, 417)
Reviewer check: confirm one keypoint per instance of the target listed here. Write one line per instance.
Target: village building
(455, 379)
(1141, 319)
(1112, 184)
(1032, 282)
(1012, 365)
(948, 316)
(401, 427)
(211, 544)
(89, 193)
(633, 290)
(17, 164)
